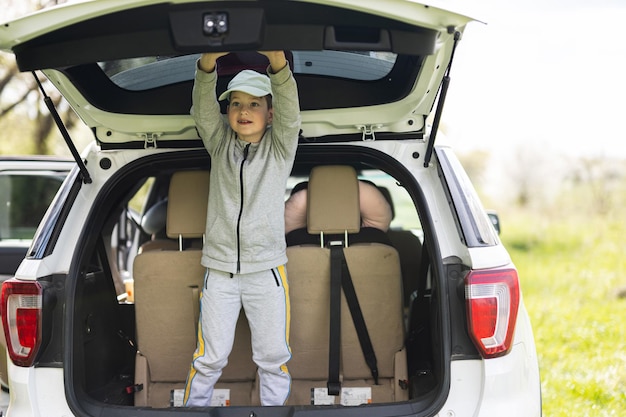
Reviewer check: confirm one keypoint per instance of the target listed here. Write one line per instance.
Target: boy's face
(249, 116)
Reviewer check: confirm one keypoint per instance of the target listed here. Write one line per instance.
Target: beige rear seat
(333, 208)
(167, 289)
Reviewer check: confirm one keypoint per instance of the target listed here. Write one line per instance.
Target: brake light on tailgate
(21, 319)
(492, 299)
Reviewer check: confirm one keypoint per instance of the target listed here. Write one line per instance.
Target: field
(572, 269)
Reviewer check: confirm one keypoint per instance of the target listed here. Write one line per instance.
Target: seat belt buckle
(334, 388)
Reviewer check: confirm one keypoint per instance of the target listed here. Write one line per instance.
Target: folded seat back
(333, 216)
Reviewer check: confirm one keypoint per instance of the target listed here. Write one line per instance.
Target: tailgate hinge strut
(443, 90)
(68, 140)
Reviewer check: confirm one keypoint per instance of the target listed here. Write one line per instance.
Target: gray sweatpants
(264, 297)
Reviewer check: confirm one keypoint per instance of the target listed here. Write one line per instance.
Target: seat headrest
(187, 204)
(333, 200)
(153, 220)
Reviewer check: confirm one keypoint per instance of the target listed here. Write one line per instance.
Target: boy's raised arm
(208, 60)
(277, 60)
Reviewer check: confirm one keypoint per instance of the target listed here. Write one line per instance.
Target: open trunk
(137, 351)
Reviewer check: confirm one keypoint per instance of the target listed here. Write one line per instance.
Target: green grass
(570, 268)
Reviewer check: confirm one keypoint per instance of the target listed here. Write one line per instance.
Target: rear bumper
(36, 392)
(509, 386)
(505, 386)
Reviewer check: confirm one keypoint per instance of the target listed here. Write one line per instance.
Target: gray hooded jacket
(245, 227)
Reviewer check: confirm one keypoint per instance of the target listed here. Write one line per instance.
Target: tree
(602, 179)
(19, 92)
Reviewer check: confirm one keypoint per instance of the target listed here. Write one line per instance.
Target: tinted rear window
(152, 72)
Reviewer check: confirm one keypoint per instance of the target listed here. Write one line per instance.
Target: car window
(52, 222)
(475, 224)
(24, 198)
(151, 72)
(405, 215)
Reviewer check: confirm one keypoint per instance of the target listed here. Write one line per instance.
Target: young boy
(251, 158)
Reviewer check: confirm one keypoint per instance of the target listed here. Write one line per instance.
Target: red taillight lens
(21, 319)
(492, 298)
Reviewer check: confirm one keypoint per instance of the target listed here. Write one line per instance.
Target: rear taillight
(492, 298)
(21, 319)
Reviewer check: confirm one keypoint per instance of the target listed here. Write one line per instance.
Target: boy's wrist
(206, 65)
(278, 65)
(208, 60)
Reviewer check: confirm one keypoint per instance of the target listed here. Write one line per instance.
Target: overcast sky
(542, 73)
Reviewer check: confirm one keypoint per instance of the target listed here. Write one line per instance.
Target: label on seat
(350, 396)
(356, 396)
(319, 396)
(221, 398)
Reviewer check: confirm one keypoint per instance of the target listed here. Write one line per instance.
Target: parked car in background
(27, 186)
(439, 296)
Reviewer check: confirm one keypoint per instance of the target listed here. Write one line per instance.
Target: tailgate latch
(368, 131)
(150, 140)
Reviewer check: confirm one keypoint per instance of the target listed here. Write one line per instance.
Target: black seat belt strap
(334, 348)
(358, 320)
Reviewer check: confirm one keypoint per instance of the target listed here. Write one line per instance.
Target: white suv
(100, 318)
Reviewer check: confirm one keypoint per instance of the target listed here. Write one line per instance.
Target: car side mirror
(495, 220)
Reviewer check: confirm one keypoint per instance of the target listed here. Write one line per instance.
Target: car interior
(135, 348)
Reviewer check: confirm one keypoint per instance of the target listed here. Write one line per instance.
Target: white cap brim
(250, 82)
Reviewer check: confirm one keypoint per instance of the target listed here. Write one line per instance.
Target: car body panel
(25, 29)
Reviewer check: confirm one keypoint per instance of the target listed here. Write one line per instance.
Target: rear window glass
(476, 225)
(405, 216)
(24, 198)
(151, 72)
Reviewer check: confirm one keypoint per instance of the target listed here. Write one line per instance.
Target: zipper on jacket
(245, 156)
